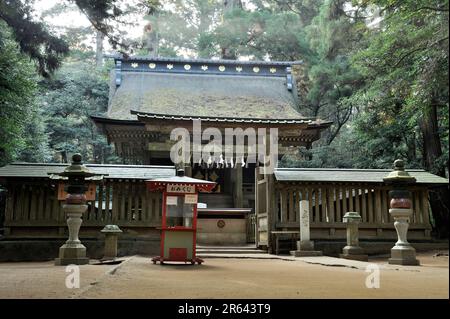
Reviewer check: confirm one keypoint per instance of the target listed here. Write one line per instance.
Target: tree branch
(440, 9)
(418, 49)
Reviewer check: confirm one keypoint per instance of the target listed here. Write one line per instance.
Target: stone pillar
(401, 210)
(305, 247)
(402, 253)
(353, 250)
(73, 251)
(111, 233)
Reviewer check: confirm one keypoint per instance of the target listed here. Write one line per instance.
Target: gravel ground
(137, 277)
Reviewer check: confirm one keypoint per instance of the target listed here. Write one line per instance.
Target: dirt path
(44, 279)
(226, 278)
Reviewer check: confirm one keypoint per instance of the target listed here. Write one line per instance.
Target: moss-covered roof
(202, 95)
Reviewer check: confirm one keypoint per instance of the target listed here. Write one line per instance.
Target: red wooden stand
(179, 217)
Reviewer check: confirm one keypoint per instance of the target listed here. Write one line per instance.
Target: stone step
(230, 251)
(237, 247)
(224, 251)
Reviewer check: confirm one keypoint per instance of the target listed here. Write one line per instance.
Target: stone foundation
(40, 250)
(231, 232)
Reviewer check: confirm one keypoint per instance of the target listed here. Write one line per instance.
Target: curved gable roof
(203, 95)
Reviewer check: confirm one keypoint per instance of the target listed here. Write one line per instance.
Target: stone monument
(401, 210)
(353, 250)
(111, 233)
(305, 247)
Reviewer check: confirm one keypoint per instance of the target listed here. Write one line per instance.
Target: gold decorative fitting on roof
(170, 66)
(255, 69)
(152, 65)
(238, 68)
(134, 65)
(204, 67)
(222, 68)
(273, 70)
(187, 67)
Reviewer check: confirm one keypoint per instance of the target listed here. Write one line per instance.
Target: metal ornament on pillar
(401, 210)
(73, 251)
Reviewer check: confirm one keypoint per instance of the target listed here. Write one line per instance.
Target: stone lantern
(73, 251)
(353, 250)
(111, 233)
(401, 210)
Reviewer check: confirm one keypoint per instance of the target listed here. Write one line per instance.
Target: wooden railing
(329, 202)
(126, 203)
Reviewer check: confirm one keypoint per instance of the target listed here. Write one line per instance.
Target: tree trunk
(228, 6)
(99, 49)
(439, 202)
(432, 151)
(64, 156)
(151, 38)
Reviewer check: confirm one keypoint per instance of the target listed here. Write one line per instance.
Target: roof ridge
(201, 60)
(344, 169)
(90, 165)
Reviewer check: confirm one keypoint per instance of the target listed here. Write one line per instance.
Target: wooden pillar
(271, 204)
(425, 209)
(188, 170)
(238, 186)
(284, 205)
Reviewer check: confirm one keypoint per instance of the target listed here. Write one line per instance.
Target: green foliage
(18, 112)
(77, 91)
(33, 37)
(405, 67)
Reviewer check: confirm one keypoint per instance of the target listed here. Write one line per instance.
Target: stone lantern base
(354, 253)
(403, 256)
(72, 254)
(305, 248)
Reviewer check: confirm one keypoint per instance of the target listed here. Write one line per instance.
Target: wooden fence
(125, 203)
(278, 210)
(328, 203)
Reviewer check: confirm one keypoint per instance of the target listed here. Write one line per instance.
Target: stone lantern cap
(352, 217)
(77, 169)
(399, 175)
(111, 229)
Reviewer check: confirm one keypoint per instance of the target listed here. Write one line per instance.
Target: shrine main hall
(148, 99)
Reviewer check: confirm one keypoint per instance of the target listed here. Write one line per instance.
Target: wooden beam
(378, 206)
(425, 208)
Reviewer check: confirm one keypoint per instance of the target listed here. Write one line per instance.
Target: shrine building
(149, 97)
